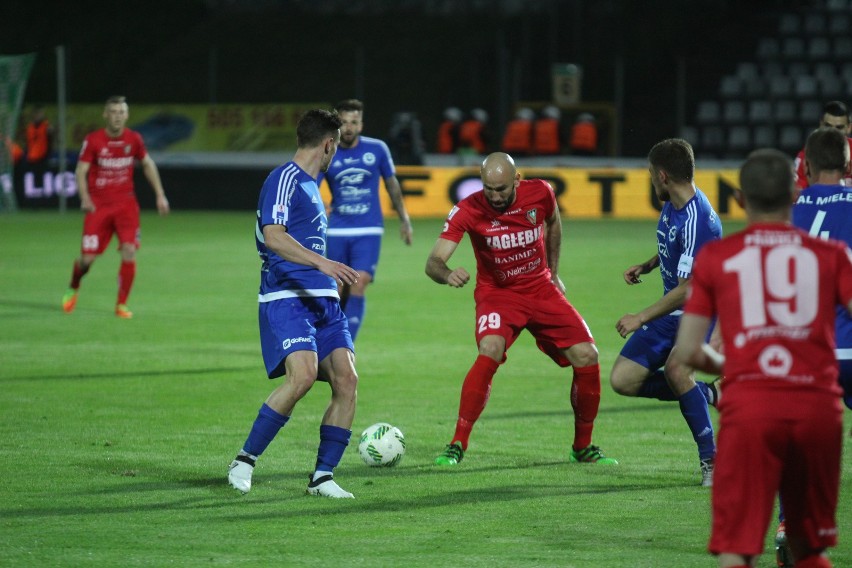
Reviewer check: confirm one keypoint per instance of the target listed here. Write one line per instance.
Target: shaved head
(500, 179)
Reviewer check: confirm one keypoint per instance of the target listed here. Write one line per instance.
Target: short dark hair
(836, 108)
(349, 105)
(116, 100)
(827, 149)
(768, 180)
(675, 156)
(314, 126)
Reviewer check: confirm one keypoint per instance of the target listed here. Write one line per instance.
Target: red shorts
(99, 226)
(545, 313)
(770, 443)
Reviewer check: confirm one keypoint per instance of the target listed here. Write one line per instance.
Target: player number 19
(782, 287)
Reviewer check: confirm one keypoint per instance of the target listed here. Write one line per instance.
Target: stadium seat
(809, 112)
(780, 87)
(793, 48)
(739, 140)
(772, 69)
(791, 139)
(824, 69)
(763, 136)
(789, 24)
(708, 112)
(843, 47)
(798, 68)
(831, 88)
(846, 70)
(805, 87)
(759, 112)
(747, 70)
(768, 48)
(838, 24)
(712, 138)
(819, 49)
(690, 134)
(731, 87)
(734, 112)
(785, 112)
(815, 24)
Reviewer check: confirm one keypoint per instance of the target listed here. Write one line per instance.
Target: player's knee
(621, 382)
(583, 355)
(345, 384)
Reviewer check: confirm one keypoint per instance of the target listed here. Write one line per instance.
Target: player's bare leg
(81, 267)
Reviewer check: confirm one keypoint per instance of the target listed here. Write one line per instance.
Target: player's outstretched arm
(437, 269)
(278, 240)
(671, 301)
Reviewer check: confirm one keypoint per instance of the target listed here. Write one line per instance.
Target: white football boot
(239, 475)
(326, 487)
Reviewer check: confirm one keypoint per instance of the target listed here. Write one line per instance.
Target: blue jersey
(680, 235)
(290, 197)
(825, 211)
(353, 178)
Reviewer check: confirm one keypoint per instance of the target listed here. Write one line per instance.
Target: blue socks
(264, 429)
(693, 406)
(354, 310)
(333, 442)
(656, 386)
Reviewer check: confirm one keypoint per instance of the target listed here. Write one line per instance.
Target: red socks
(77, 274)
(585, 400)
(126, 274)
(474, 396)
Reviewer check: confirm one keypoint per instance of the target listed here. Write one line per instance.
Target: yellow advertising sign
(581, 193)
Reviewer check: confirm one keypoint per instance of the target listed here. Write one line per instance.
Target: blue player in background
(824, 209)
(303, 332)
(644, 368)
(356, 224)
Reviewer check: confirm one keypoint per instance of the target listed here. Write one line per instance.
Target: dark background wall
(413, 55)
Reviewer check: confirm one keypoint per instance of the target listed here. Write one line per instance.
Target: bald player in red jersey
(105, 183)
(774, 289)
(516, 233)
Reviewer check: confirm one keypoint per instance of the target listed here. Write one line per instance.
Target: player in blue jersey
(645, 368)
(356, 225)
(303, 332)
(824, 209)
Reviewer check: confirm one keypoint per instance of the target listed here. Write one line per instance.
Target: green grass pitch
(115, 435)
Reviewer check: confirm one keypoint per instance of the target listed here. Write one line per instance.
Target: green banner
(14, 72)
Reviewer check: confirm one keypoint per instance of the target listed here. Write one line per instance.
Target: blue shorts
(360, 252)
(300, 324)
(651, 344)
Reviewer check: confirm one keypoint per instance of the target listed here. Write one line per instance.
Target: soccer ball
(382, 445)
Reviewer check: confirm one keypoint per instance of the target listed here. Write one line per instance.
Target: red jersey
(774, 289)
(509, 246)
(112, 160)
(802, 179)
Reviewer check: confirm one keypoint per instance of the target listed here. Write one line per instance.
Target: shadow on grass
(133, 374)
(278, 489)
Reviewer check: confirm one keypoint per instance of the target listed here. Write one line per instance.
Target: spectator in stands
(448, 131)
(405, 139)
(835, 114)
(518, 137)
(584, 135)
(547, 132)
(39, 137)
(473, 136)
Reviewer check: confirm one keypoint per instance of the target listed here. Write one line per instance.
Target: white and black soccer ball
(382, 445)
